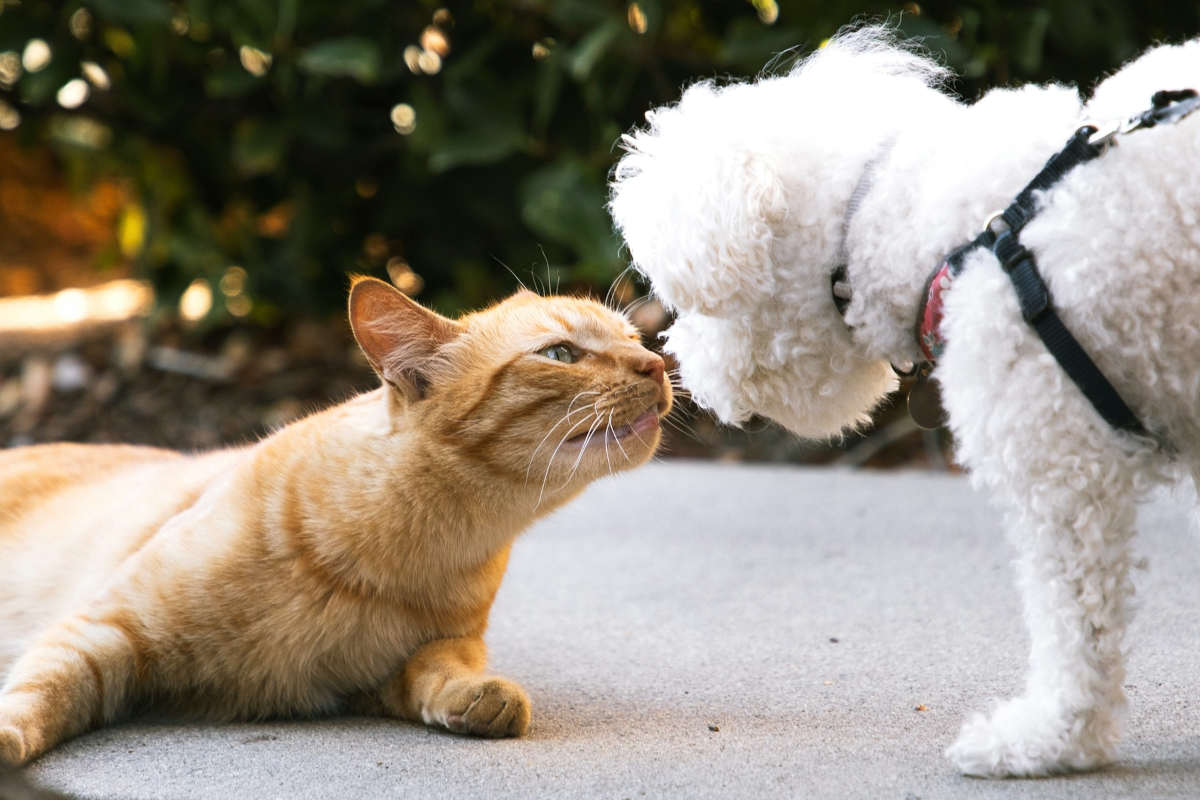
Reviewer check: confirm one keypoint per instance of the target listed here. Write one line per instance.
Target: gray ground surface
(686, 597)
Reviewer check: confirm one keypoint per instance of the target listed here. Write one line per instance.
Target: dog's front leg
(1072, 520)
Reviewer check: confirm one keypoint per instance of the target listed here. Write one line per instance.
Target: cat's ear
(399, 336)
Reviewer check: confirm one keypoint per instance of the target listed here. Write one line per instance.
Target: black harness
(1001, 235)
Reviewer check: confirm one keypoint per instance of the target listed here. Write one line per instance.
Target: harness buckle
(1170, 107)
(993, 218)
(1103, 136)
(1167, 107)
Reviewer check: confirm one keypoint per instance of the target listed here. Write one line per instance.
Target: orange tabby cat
(347, 562)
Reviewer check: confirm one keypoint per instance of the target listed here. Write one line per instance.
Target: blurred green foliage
(305, 140)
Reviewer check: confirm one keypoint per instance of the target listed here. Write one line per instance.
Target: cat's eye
(558, 352)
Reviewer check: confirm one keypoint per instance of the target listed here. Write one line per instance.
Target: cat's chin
(637, 430)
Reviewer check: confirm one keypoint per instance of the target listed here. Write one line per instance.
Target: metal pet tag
(925, 401)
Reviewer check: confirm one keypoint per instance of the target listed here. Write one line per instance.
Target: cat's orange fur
(347, 562)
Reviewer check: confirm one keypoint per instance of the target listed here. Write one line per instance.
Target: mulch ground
(168, 387)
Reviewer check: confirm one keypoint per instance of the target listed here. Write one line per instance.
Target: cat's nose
(652, 367)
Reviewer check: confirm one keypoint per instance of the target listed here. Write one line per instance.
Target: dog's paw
(492, 707)
(1028, 738)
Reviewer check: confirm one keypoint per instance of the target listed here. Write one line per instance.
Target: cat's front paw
(1027, 738)
(492, 707)
(12, 747)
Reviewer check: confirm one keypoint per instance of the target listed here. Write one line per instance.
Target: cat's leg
(1071, 516)
(443, 684)
(77, 676)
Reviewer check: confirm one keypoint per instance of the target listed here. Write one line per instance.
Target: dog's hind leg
(1073, 571)
(1072, 500)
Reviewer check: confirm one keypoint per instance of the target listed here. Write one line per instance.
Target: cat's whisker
(636, 304)
(683, 413)
(551, 287)
(678, 388)
(510, 272)
(610, 295)
(682, 429)
(624, 452)
(550, 463)
(639, 437)
(565, 417)
(608, 431)
(583, 449)
(681, 426)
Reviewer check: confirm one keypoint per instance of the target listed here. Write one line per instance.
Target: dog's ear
(700, 214)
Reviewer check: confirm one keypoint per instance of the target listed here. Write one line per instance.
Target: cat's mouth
(644, 423)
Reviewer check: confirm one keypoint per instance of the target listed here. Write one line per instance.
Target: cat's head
(547, 392)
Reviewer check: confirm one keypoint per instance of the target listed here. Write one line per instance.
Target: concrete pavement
(698, 630)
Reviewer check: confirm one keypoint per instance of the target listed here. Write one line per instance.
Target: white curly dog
(740, 201)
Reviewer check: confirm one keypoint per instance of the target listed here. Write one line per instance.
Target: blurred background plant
(243, 156)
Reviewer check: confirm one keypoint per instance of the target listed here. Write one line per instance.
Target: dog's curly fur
(734, 203)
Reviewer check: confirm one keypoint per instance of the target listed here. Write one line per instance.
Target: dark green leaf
(583, 60)
(258, 146)
(230, 81)
(749, 45)
(565, 203)
(352, 57)
(479, 146)
(132, 12)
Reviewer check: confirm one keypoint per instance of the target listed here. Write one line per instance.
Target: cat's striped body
(349, 560)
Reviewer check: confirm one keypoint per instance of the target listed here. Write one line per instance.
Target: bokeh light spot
(366, 188)
(636, 18)
(375, 246)
(80, 24)
(70, 305)
(254, 61)
(73, 93)
(403, 277)
(429, 62)
(768, 10)
(238, 305)
(10, 68)
(36, 55)
(131, 230)
(95, 74)
(10, 118)
(404, 119)
(120, 42)
(233, 282)
(433, 40)
(412, 57)
(196, 301)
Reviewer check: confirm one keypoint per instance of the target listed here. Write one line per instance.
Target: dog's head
(733, 202)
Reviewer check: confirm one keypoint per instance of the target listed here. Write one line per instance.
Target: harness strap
(1036, 306)
(1039, 312)
(1021, 210)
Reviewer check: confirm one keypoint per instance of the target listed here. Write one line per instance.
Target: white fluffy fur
(733, 202)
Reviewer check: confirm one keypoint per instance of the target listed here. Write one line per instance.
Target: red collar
(929, 323)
